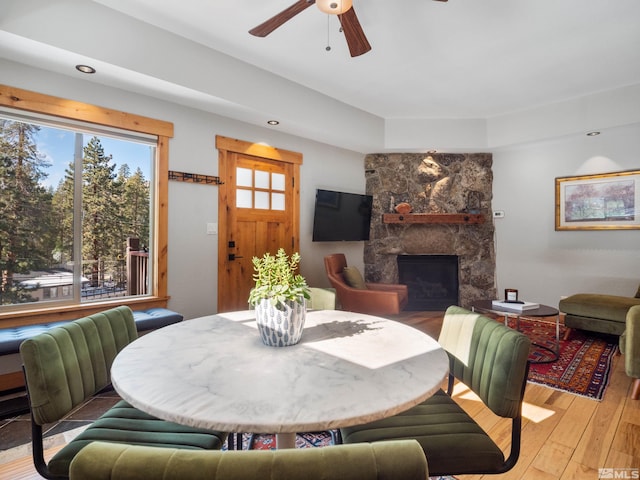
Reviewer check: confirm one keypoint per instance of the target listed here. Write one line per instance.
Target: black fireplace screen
(432, 280)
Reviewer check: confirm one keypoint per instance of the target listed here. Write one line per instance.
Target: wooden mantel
(450, 218)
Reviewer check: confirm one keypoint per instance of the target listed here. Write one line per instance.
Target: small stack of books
(514, 306)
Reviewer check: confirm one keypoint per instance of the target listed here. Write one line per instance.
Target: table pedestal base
(285, 440)
(554, 351)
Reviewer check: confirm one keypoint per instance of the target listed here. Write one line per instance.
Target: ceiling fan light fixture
(334, 7)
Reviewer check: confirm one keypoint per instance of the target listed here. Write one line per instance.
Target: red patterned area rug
(261, 441)
(584, 364)
(303, 440)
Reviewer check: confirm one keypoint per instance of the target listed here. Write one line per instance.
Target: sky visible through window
(56, 146)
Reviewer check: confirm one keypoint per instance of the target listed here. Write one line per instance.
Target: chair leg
(567, 334)
(234, 441)
(37, 446)
(635, 389)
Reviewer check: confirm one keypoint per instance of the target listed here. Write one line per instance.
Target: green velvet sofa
(597, 312)
(394, 460)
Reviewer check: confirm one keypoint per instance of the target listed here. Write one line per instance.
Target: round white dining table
(214, 372)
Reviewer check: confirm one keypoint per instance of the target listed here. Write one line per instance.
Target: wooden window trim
(26, 100)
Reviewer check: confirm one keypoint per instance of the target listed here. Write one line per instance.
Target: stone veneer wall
(437, 183)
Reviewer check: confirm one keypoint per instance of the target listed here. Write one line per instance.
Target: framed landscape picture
(607, 201)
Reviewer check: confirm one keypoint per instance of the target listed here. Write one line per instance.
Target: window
(66, 195)
(260, 189)
(83, 205)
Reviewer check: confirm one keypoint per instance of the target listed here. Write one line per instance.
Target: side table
(486, 306)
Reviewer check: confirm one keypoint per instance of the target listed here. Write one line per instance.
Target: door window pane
(277, 181)
(244, 199)
(262, 179)
(277, 201)
(244, 177)
(262, 200)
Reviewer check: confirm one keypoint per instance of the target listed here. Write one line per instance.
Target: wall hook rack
(194, 178)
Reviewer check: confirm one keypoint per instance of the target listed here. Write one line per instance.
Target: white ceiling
(462, 60)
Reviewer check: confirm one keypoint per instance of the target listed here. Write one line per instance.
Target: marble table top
(214, 372)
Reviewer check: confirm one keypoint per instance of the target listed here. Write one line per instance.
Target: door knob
(233, 256)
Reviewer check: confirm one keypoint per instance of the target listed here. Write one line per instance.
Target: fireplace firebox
(432, 281)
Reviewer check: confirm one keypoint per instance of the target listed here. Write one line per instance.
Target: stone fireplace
(450, 200)
(432, 280)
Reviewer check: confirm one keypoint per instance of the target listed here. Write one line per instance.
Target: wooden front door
(258, 212)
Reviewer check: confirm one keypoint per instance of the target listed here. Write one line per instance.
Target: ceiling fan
(353, 33)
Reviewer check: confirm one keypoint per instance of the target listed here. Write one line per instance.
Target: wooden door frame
(226, 146)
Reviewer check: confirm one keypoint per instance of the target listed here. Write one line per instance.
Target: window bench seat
(11, 338)
(11, 378)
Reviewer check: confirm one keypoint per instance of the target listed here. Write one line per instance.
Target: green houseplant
(277, 279)
(279, 297)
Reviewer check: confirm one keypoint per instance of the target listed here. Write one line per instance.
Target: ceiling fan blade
(278, 20)
(353, 33)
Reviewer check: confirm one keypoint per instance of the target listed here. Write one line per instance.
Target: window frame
(34, 102)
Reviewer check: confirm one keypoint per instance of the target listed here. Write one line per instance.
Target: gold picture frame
(607, 201)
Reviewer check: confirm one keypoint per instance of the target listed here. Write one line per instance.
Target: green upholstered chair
(322, 298)
(386, 460)
(630, 348)
(67, 365)
(490, 359)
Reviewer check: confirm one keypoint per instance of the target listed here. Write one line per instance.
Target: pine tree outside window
(50, 216)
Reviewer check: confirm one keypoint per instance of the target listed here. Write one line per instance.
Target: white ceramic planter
(281, 327)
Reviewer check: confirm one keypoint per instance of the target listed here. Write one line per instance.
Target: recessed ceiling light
(273, 122)
(85, 69)
(593, 134)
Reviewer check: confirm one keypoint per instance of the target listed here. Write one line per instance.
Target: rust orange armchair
(373, 298)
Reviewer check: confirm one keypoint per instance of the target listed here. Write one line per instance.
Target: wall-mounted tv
(341, 216)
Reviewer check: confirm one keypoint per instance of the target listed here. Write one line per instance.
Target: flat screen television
(341, 216)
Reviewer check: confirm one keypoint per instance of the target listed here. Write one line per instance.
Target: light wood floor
(563, 436)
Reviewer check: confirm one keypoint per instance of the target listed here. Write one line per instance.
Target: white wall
(531, 256)
(544, 264)
(192, 253)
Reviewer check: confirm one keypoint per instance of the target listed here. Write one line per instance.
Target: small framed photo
(607, 201)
